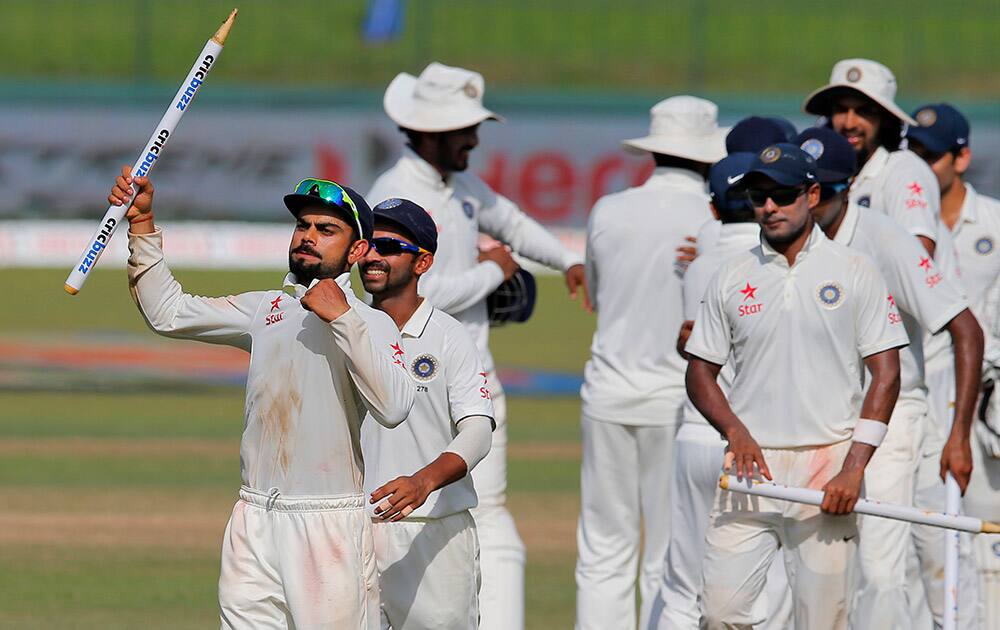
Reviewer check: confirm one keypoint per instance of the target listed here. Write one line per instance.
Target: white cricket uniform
(298, 549)
(428, 562)
(462, 206)
(797, 336)
(927, 301)
(900, 184)
(632, 393)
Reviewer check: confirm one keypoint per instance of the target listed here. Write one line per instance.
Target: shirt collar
(292, 287)
(677, 178)
(968, 212)
(816, 238)
(422, 170)
(414, 327)
(845, 233)
(875, 164)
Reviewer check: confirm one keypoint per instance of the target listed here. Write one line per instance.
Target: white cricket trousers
(982, 499)
(428, 573)
(693, 484)
(501, 551)
(745, 535)
(298, 562)
(624, 500)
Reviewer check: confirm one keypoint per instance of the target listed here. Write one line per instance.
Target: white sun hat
(442, 98)
(685, 127)
(864, 76)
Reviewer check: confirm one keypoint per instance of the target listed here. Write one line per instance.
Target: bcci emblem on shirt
(830, 295)
(984, 245)
(424, 367)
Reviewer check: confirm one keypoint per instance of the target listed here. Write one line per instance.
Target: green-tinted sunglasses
(332, 193)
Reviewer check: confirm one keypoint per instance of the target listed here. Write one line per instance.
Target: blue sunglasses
(387, 246)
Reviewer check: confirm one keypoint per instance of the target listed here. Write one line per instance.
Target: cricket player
(698, 447)
(440, 112)
(799, 317)
(927, 303)
(425, 538)
(633, 389)
(973, 219)
(298, 549)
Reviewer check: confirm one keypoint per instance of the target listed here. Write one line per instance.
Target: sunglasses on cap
(332, 193)
(387, 246)
(780, 196)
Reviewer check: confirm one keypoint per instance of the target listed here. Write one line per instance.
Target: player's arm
(398, 498)
(913, 200)
(167, 309)
(504, 221)
(367, 342)
(968, 343)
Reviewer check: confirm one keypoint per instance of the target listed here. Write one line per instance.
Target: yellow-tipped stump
(223, 32)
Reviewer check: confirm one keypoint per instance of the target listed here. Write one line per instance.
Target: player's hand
(501, 256)
(326, 299)
(742, 453)
(956, 458)
(686, 253)
(125, 185)
(841, 493)
(398, 498)
(683, 336)
(576, 282)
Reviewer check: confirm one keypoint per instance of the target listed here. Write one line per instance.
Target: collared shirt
(462, 206)
(450, 385)
(798, 335)
(309, 384)
(732, 239)
(900, 184)
(926, 299)
(635, 373)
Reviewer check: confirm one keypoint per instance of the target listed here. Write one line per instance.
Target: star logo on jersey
(749, 292)
(830, 295)
(276, 303)
(925, 264)
(484, 391)
(931, 279)
(894, 316)
(424, 368)
(984, 245)
(915, 189)
(397, 353)
(892, 301)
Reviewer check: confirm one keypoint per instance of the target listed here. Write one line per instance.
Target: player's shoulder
(391, 183)
(449, 329)
(985, 203)
(377, 320)
(878, 225)
(474, 185)
(907, 164)
(854, 262)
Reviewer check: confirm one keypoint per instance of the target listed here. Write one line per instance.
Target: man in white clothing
(699, 449)
(795, 295)
(927, 303)
(633, 389)
(973, 219)
(298, 549)
(425, 538)
(440, 112)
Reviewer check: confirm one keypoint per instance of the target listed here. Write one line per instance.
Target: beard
(306, 272)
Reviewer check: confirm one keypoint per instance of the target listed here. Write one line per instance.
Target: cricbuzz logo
(196, 81)
(98, 245)
(153, 153)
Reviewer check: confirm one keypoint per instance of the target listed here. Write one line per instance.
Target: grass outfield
(782, 45)
(115, 504)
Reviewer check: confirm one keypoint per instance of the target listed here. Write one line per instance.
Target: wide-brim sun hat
(862, 76)
(685, 127)
(442, 98)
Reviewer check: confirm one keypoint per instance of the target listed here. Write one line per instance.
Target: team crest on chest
(865, 201)
(984, 245)
(830, 295)
(424, 368)
(467, 208)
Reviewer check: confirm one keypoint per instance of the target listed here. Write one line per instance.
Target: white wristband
(870, 432)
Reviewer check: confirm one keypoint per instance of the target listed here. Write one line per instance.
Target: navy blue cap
(753, 134)
(786, 126)
(835, 158)
(784, 163)
(942, 128)
(724, 176)
(296, 201)
(412, 218)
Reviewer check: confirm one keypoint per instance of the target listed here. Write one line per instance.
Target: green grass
(936, 48)
(125, 580)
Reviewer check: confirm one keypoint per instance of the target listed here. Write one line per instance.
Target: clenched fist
(140, 213)
(326, 299)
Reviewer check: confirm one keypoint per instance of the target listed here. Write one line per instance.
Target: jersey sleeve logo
(932, 277)
(467, 208)
(830, 295)
(424, 368)
(984, 245)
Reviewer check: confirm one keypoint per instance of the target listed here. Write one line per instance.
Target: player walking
(799, 317)
(425, 539)
(440, 112)
(973, 219)
(298, 549)
(928, 303)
